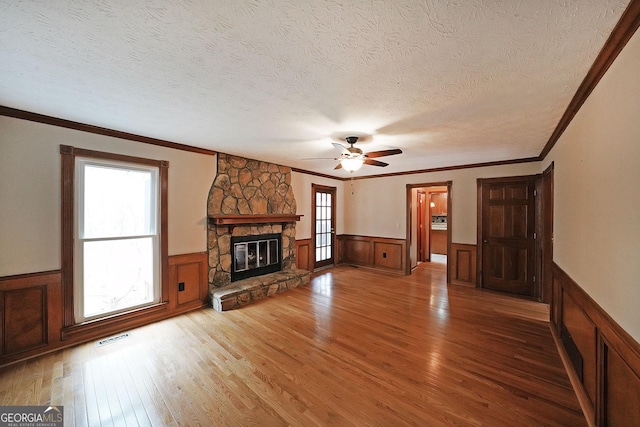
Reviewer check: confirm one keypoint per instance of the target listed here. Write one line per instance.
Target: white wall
(376, 206)
(301, 184)
(30, 192)
(597, 192)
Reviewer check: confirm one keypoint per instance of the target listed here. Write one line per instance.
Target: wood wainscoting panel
(462, 264)
(304, 255)
(30, 314)
(31, 309)
(621, 391)
(388, 254)
(608, 387)
(356, 250)
(583, 333)
(375, 252)
(188, 281)
(24, 319)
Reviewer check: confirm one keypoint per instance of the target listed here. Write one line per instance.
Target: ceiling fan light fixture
(352, 164)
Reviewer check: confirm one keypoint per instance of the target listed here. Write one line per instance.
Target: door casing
(409, 210)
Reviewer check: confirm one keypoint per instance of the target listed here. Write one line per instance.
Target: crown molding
(621, 34)
(54, 121)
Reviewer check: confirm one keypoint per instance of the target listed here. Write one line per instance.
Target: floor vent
(112, 339)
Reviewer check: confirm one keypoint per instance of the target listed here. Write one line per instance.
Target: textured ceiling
(448, 82)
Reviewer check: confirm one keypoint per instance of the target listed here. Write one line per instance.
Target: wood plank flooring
(355, 347)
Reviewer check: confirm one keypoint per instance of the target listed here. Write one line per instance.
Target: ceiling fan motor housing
(353, 150)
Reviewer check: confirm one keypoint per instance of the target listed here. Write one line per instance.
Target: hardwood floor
(355, 347)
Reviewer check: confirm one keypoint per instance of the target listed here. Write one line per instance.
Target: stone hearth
(252, 189)
(246, 291)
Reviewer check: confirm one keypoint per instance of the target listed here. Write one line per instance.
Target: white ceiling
(448, 82)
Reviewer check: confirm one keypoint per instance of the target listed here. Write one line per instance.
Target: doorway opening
(428, 224)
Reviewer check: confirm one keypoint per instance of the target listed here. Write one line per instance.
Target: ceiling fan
(352, 158)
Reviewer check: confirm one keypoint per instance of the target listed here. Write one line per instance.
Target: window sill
(115, 323)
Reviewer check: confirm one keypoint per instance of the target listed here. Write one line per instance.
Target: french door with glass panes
(324, 222)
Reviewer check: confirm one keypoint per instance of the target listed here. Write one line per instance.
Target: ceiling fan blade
(319, 158)
(375, 163)
(384, 153)
(341, 148)
(338, 167)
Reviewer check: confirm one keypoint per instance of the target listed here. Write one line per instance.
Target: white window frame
(80, 240)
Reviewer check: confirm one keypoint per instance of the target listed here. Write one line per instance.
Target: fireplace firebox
(255, 255)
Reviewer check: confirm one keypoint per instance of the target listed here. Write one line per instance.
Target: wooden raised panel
(583, 333)
(387, 255)
(496, 221)
(621, 392)
(496, 194)
(357, 250)
(24, 313)
(189, 276)
(189, 271)
(516, 192)
(303, 255)
(462, 264)
(518, 220)
(30, 314)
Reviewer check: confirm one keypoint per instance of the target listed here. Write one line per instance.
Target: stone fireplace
(250, 200)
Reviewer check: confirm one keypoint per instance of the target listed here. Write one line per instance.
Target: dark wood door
(324, 220)
(508, 234)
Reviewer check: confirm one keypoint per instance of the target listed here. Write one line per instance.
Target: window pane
(273, 252)
(118, 274)
(252, 255)
(262, 253)
(240, 256)
(117, 202)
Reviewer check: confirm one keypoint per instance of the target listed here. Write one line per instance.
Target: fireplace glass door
(255, 255)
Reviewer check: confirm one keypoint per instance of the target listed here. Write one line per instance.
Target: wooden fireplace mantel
(252, 219)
